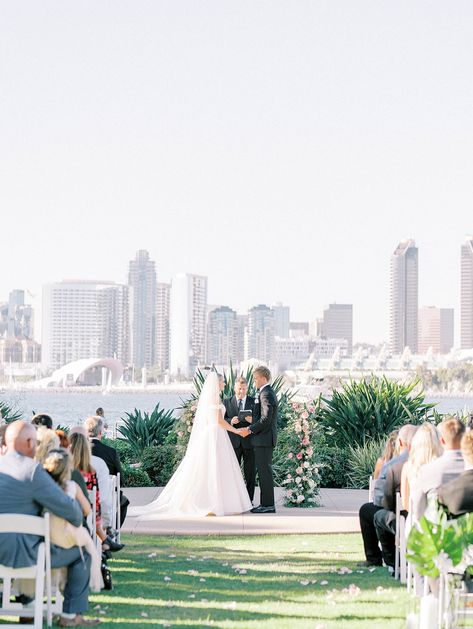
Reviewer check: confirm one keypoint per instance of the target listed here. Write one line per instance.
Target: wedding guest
(41, 419)
(425, 447)
(26, 488)
(441, 470)
(390, 451)
(82, 460)
(103, 479)
(457, 495)
(63, 438)
(242, 446)
(369, 509)
(385, 518)
(47, 440)
(3, 447)
(94, 428)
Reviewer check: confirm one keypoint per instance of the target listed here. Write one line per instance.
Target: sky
(282, 148)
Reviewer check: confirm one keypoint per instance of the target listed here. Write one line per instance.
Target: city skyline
(38, 306)
(305, 138)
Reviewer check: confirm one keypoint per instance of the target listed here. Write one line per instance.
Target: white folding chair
(119, 509)
(92, 517)
(371, 489)
(400, 569)
(113, 489)
(40, 572)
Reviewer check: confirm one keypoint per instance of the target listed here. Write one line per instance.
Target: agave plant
(144, 430)
(371, 409)
(8, 414)
(361, 461)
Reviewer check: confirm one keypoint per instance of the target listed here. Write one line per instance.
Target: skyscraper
(162, 325)
(281, 320)
(338, 323)
(259, 337)
(85, 319)
(466, 298)
(142, 279)
(404, 300)
(435, 330)
(188, 319)
(224, 341)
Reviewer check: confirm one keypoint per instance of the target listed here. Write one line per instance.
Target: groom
(263, 434)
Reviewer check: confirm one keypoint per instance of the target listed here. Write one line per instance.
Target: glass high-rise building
(188, 322)
(404, 298)
(466, 298)
(162, 325)
(224, 338)
(259, 336)
(142, 280)
(338, 324)
(85, 319)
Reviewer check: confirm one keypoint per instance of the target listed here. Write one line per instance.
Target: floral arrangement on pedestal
(302, 472)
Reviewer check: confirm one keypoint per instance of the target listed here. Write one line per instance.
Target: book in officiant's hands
(242, 422)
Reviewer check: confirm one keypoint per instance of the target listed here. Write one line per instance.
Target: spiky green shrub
(8, 414)
(361, 461)
(372, 408)
(143, 430)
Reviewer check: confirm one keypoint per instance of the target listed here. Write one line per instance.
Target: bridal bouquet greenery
(302, 472)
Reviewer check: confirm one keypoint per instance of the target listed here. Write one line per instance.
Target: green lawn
(249, 582)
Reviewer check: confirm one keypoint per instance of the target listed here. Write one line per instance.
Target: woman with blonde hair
(391, 449)
(82, 461)
(425, 447)
(47, 441)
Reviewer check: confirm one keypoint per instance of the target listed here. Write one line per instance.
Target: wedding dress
(208, 480)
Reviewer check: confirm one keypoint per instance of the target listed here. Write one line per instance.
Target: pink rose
(290, 455)
(310, 452)
(305, 415)
(299, 456)
(305, 441)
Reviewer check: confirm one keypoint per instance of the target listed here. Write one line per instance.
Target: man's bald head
(79, 430)
(20, 437)
(406, 435)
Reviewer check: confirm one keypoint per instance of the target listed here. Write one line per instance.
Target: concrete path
(338, 513)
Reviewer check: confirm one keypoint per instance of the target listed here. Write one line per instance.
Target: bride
(208, 480)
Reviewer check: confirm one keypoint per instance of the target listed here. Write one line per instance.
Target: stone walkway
(338, 513)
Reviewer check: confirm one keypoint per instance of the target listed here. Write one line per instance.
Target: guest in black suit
(457, 495)
(263, 433)
(243, 447)
(385, 518)
(94, 427)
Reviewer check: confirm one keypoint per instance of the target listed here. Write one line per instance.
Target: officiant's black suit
(263, 438)
(243, 446)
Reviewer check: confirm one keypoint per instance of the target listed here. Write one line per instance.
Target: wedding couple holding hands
(208, 480)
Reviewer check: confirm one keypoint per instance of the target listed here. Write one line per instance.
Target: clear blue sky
(281, 148)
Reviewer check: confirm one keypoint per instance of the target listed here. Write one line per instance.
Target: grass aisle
(249, 582)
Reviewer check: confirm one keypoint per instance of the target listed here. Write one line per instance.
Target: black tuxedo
(457, 495)
(264, 437)
(242, 446)
(111, 458)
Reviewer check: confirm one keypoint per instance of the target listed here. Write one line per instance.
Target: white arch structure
(69, 374)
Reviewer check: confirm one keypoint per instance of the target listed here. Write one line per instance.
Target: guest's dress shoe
(262, 509)
(79, 621)
(113, 546)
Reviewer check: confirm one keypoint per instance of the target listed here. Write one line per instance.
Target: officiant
(234, 415)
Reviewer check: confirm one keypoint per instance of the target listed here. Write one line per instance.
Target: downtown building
(435, 330)
(259, 334)
(85, 320)
(142, 281)
(188, 324)
(404, 298)
(466, 296)
(17, 344)
(163, 331)
(225, 337)
(337, 323)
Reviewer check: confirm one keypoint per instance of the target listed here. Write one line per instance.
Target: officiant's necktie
(240, 404)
